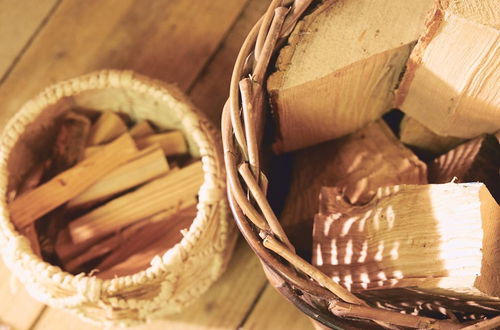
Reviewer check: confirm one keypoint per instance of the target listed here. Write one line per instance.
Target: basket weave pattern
(310, 290)
(175, 279)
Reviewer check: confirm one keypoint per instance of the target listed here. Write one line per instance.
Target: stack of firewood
(405, 205)
(110, 197)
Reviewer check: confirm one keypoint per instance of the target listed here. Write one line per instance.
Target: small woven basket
(173, 280)
(245, 144)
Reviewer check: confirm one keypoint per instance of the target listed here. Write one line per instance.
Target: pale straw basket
(173, 280)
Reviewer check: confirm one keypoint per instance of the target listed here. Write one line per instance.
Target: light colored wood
(222, 307)
(172, 143)
(67, 250)
(452, 77)
(416, 135)
(273, 311)
(147, 165)
(141, 129)
(170, 191)
(19, 21)
(108, 127)
(475, 161)
(438, 236)
(27, 208)
(358, 164)
(486, 12)
(341, 68)
(149, 241)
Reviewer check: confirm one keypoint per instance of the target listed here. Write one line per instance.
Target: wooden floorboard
(20, 20)
(193, 47)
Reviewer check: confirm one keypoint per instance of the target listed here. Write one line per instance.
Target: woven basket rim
(247, 185)
(213, 181)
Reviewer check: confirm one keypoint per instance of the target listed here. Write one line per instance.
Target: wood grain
(264, 316)
(169, 40)
(19, 21)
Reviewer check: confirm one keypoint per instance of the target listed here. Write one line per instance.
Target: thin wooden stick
(272, 244)
(261, 200)
(298, 9)
(233, 184)
(249, 120)
(264, 28)
(342, 309)
(485, 325)
(268, 48)
(29, 207)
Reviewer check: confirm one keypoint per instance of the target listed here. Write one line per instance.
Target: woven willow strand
(242, 116)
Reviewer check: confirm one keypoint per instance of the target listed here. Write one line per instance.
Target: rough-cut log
(476, 160)
(149, 241)
(358, 164)
(172, 143)
(147, 165)
(30, 206)
(440, 236)
(416, 135)
(108, 127)
(70, 143)
(140, 129)
(170, 191)
(452, 78)
(341, 67)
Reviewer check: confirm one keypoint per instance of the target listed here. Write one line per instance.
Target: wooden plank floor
(191, 44)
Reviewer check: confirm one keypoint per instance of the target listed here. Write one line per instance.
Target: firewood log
(341, 67)
(358, 164)
(171, 191)
(476, 160)
(142, 128)
(108, 127)
(147, 165)
(149, 241)
(451, 80)
(438, 237)
(172, 143)
(30, 206)
(415, 135)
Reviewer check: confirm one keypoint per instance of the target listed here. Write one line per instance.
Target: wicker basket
(173, 280)
(314, 293)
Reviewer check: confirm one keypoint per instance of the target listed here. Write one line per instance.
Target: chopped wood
(452, 78)
(169, 191)
(108, 127)
(416, 135)
(114, 241)
(439, 236)
(172, 143)
(67, 250)
(70, 143)
(30, 206)
(142, 128)
(486, 12)
(153, 239)
(358, 164)
(476, 160)
(147, 165)
(341, 67)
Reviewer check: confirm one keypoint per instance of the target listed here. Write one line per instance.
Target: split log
(171, 191)
(358, 164)
(172, 143)
(30, 206)
(341, 68)
(142, 128)
(438, 237)
(416, 135)
(108, 127)
(452, 78)
(476, 160)
(70, 143)
(66, 250)
(152, 240)
(147, 165)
